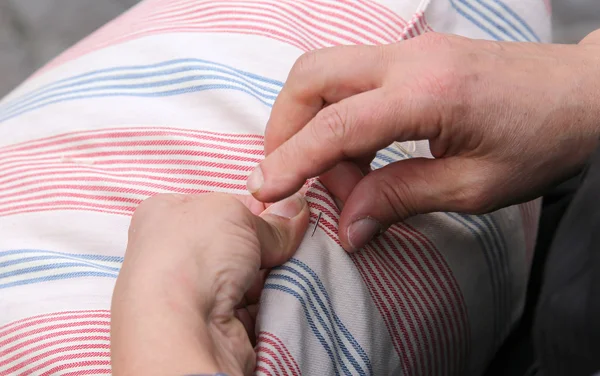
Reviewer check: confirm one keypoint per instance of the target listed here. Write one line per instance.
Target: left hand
(186, 297)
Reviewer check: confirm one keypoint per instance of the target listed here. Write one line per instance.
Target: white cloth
(173, 96)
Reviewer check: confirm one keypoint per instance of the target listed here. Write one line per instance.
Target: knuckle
(304, 66)
(445, 79)
(397, 195)
(331, 125)
(474, 199)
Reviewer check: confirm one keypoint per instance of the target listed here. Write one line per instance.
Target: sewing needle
(316, 224)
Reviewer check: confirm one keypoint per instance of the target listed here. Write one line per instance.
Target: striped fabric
(64, 343)
(173, 96)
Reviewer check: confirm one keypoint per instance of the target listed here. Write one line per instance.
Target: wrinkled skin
(505, 121)
(186, 298)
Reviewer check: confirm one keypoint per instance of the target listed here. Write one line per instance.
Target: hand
(504, 122)
(191, 261)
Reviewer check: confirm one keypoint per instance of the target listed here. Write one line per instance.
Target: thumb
(280, 229)
(403, 189)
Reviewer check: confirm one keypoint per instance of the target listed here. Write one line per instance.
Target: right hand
(504, 122)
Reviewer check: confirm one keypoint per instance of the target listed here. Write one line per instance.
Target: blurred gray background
(34, 31)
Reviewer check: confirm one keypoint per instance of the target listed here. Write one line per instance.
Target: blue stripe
(396, 151)
(519, 18)
(61, 265)
(56, 277)
(145, 95)
(138, 86)
(272, 286)
(484, 17)
(81, 256)
(305, 293)
(474, 21)
(55, 262)
(39, 258)
(156, 65)
(456, 4)
(376, 165)
(47, 95)
(505, 280)
(385, 158)
(340, 325)
(20, 102)
(479, 233)
(513, 26)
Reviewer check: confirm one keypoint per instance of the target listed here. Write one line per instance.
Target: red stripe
(85, 188)
(241, 139)
(374, 24)
(276, 12)
(266, 25)
(176, 162)
(118, 172)
(422, 283)
(381, 309)
(444, 311)
(80, 346)
(64, 207)
(87, 327)
(78, 183)
(463, 339)
(48, 316)
(41, 319)
(263, 370)
(65, 333)
(377, 292)
(448, 277)
(287, 354)
(398, 283)
(261, 358)
(440, 263)
(302, 36)
(384, 16)
(454, 297)
(94, 371)
(69, 204)
(82, 363)
(283, 353)
(139, 143)
(267, 361)
(192, 153)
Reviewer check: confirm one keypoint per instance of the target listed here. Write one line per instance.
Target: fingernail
(255, 180)
(288, 208)
(362, 231)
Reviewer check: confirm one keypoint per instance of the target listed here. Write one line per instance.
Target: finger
(403, 189)
(253, 294)
(256, 207)
(320, 77)
(247, 316)
(280, 229)
(341, 180)
(350, 129)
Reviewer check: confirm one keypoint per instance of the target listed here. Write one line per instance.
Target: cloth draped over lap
(173, 96)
